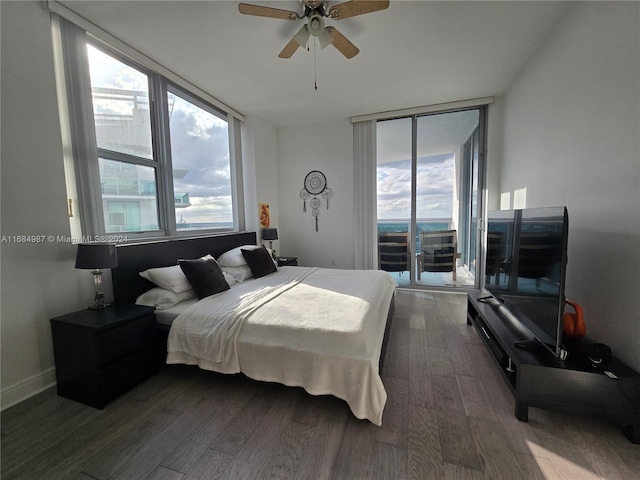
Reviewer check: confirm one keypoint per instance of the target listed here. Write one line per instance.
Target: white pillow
(162, 298)
(229, 278)
(233, 257)
(169, 278)
(240, 274)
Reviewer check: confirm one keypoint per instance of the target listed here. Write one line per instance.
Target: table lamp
(96, 256)
(270, 234)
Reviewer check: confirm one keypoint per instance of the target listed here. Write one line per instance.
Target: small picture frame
(264, 215)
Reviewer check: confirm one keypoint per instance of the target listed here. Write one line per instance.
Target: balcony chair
(393, 251)
(438, 252)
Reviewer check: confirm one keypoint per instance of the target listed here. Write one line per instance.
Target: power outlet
(333, 261)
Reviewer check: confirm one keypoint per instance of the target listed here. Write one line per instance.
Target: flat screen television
(526, 267)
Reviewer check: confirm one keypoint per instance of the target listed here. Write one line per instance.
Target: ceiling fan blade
(261, 11)
(289, 49)
(356, 7)
(345, 47)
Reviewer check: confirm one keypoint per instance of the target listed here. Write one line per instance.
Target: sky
(434, 194)
(439, 138)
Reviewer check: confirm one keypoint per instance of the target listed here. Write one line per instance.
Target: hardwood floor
(448, 416)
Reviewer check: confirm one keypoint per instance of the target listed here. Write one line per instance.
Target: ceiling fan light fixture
(315, 12)
(302, 36)
(315, 25)
(325, 39)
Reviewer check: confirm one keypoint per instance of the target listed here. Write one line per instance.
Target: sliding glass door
(428, 179)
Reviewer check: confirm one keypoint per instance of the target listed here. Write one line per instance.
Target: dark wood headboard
(135, 258)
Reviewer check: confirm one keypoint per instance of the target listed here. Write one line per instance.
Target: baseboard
(27, 388)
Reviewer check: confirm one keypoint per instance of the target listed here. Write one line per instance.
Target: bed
(321, 329)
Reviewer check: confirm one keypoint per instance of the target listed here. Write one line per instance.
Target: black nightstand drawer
(127, 372)
(96, 388)
(127, 338)
(101, 354)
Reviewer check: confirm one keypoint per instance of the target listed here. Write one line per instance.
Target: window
(201, 168)
(151, 157)
(126, 184)
(427, 190)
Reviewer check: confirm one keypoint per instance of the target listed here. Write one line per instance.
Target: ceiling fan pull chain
(315, 65)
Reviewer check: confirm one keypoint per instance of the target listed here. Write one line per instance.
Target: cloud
(434, 188)
(200, 145)
(206, 210)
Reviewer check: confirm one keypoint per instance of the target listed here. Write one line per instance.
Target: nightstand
(287, 261)
(101, 354)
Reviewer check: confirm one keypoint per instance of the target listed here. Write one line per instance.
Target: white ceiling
(412, 54)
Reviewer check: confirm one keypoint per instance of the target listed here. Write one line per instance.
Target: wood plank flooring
(449, 416)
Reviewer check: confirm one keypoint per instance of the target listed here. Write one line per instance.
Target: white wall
(572, 137)
(39, 280)
(328, 148)
(260, 171)
(495, 141)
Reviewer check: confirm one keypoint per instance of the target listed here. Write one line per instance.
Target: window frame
(171, 87)
(93, 194)
(87, 154)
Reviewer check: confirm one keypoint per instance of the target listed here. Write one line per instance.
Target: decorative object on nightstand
(96, 256)
(270, 234)
(101, 354)
(573, 325)
(287, 261)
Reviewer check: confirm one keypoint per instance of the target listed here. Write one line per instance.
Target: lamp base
(99, 306)
(98, 303)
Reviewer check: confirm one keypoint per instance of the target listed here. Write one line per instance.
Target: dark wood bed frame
(128, 285)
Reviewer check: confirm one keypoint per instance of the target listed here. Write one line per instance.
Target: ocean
(201, 226)
(421, 226)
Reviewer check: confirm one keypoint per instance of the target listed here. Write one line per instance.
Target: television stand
(528, 345)
(537, 378)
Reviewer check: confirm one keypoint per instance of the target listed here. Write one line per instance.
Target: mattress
(165, 317)
(320, 329)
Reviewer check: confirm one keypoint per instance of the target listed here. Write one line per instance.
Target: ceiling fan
(315, 11)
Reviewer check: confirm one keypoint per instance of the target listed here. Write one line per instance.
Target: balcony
(181, 200)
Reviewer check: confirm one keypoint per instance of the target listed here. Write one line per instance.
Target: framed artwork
(265, 217)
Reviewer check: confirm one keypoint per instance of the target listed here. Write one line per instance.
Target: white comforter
(320, 329)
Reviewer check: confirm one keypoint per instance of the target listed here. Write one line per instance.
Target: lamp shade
(269, 233)
(96, 255)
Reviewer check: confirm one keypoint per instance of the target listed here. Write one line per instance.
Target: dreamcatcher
(315, 183)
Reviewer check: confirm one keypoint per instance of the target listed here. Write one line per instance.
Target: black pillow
(204, 275)
(259, 261)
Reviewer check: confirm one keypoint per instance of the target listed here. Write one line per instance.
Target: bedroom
(570, 108)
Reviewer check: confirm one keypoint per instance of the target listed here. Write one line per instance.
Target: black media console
(539, 379)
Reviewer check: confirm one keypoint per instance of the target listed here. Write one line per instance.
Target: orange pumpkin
(573, 325)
